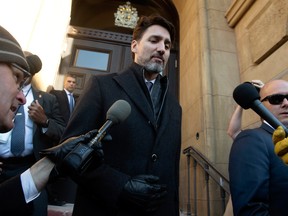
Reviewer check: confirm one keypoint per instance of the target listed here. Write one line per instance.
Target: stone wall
(222, 44)
(208, 74)
(261, 37)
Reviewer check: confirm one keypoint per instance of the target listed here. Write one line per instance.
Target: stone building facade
(222, 43)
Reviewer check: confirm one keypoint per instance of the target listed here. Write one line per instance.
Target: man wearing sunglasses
(17, 193)
(258, 177)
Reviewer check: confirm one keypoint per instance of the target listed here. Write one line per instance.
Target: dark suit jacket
(12, 201)
(258, 177)
(140, 145)
(56, 122)
(63, 103)
(48, 139)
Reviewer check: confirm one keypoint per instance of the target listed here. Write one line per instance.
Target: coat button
(154, 157)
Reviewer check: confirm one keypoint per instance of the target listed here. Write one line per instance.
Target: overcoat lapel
(65, 99)
(267, 128)
(133, 89)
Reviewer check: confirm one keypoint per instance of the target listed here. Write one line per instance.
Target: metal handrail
(210, 171)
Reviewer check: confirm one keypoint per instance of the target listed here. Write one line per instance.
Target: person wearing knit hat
(17, 193)
(44, 126)
(11, 58)
(11, 52)
(14, 68)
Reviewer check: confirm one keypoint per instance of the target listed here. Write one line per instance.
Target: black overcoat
(140, 145)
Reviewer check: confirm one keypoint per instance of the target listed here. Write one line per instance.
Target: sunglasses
(275, 99)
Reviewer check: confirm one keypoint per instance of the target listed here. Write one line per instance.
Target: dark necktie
(149, 86)
(71, 103)
(18, 133)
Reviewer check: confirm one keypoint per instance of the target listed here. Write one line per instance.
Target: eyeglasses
(275, 99)
(21, 80)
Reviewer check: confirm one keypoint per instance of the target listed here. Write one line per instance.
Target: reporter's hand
(281, 143)
(59, 152)
(142, 193)
(257, 83)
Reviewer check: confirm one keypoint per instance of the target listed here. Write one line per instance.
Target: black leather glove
(83, 157)
(74, 156)
(142, 193)
(59, 152)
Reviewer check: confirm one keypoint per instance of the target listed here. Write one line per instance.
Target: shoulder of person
(255, 135)
(56, 91)
(47, 95)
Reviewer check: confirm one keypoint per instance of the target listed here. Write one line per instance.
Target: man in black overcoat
(140, 173)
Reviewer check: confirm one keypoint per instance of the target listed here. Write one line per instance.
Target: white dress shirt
(28, 186)
(69, 93)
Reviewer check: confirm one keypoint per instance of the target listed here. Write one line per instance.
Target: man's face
(153, 49)
(274, 102)
(10, 95)
(70, 84)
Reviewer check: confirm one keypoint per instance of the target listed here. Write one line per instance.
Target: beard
(154, 67)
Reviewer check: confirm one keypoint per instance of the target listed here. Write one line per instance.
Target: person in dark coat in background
(65, 97)
(63, 189)
(140, 173)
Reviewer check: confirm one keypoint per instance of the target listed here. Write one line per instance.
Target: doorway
(96, 52)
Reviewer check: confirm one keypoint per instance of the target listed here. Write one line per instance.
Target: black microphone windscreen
(119, 111)
(245, 94)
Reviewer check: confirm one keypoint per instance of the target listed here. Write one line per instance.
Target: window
(95, 60)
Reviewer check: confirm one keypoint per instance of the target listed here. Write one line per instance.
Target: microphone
(247, 96)
(80, 158)
(117, 113)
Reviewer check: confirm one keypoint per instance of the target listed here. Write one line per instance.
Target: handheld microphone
(247, 96)
(80, 158)
(117, 113)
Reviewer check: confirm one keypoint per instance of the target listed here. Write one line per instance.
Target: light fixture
(126, 16)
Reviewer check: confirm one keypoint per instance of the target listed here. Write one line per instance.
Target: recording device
(247, 96)
(80, 158)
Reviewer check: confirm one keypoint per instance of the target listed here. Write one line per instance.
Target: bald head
(274, 87)
(274, 96)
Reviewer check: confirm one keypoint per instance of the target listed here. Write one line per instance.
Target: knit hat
(10, 50)
(34, 62)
